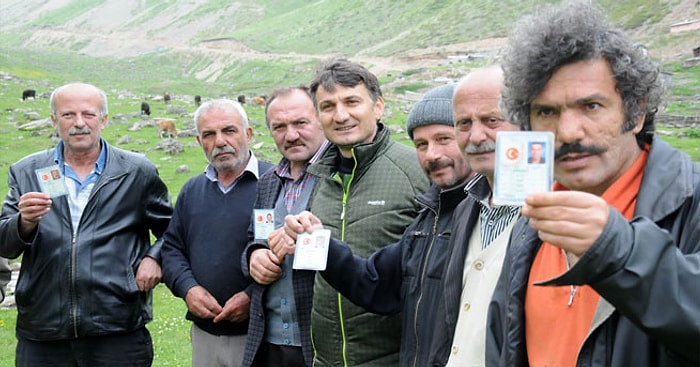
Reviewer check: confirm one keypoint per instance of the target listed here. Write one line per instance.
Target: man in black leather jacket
(83, 295)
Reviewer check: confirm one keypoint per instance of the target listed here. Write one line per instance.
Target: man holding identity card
(51, 181)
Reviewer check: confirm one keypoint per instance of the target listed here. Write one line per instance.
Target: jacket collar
(667, 181)
(364, 154)
(435, 198)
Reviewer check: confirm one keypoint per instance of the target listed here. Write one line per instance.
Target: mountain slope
(217, 41)
(309, 27)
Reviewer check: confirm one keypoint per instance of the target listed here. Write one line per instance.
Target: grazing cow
(145, 109)
(166, 128)
(197, 100)
(241, 99)
(259, 100)
(29, 93)
(166, 98)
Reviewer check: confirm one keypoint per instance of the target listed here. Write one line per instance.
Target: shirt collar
(283, 168)
(99, 165)
(251, 167)
(479, 189)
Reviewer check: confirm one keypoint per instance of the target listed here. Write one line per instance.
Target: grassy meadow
(169, 329)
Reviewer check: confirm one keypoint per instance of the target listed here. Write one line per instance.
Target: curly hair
(577, 31)
(340, 71)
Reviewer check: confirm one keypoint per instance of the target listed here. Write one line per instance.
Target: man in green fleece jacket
(365, 196)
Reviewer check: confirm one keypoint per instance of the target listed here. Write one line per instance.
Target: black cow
(241, 99)
(166, 97)
(29, 93)
(145, 109)
(197, 100)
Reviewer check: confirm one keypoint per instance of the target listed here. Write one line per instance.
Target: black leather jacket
(82, 284)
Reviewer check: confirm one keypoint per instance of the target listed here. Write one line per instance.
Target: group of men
(422, 269)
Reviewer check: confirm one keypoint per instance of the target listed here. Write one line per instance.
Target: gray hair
(103, 108)
(223, 105)
(577, 31)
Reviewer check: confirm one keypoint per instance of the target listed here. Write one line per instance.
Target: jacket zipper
(346, 191)
(422, 278)
(74, 295)
(74, 260)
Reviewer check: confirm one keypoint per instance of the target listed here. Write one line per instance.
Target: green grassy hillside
(136, 50)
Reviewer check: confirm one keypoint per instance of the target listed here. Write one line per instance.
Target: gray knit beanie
(434, 108)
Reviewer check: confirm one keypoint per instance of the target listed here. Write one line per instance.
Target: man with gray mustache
(480, 231)
(208, 233)
(81, 216)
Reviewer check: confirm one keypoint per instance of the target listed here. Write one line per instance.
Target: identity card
(264, 223)
(51, 181)
(312, 250)
(524, 165)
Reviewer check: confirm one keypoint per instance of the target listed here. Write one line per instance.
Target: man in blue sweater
(209, 232)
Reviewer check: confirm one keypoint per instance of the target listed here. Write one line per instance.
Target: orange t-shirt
(557, 318)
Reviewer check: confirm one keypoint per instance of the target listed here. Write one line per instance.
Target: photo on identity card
(524, 165)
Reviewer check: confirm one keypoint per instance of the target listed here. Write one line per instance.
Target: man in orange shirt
(604, 270)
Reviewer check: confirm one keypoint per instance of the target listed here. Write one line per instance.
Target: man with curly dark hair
(603, 270)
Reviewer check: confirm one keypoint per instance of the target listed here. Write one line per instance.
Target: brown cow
(166, 128)
(259, 100)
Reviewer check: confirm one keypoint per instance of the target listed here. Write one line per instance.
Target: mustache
(76, 131)
(577, 147)
(485, 147)
(438, 164)
(224, 149)
(293, 144)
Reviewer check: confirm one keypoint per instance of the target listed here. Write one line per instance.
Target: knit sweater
(204, 242)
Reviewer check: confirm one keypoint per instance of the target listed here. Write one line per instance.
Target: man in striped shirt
(480, 231)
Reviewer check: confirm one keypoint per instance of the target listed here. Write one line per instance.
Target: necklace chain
(572, 288)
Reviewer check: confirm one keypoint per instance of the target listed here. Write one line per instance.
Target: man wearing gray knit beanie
(434, 108)
(378, 283)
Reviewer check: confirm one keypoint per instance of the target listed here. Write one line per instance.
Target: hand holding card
(51, 181)
(264, 222)
(312, 250)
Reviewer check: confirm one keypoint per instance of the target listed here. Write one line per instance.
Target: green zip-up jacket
(374, 211)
